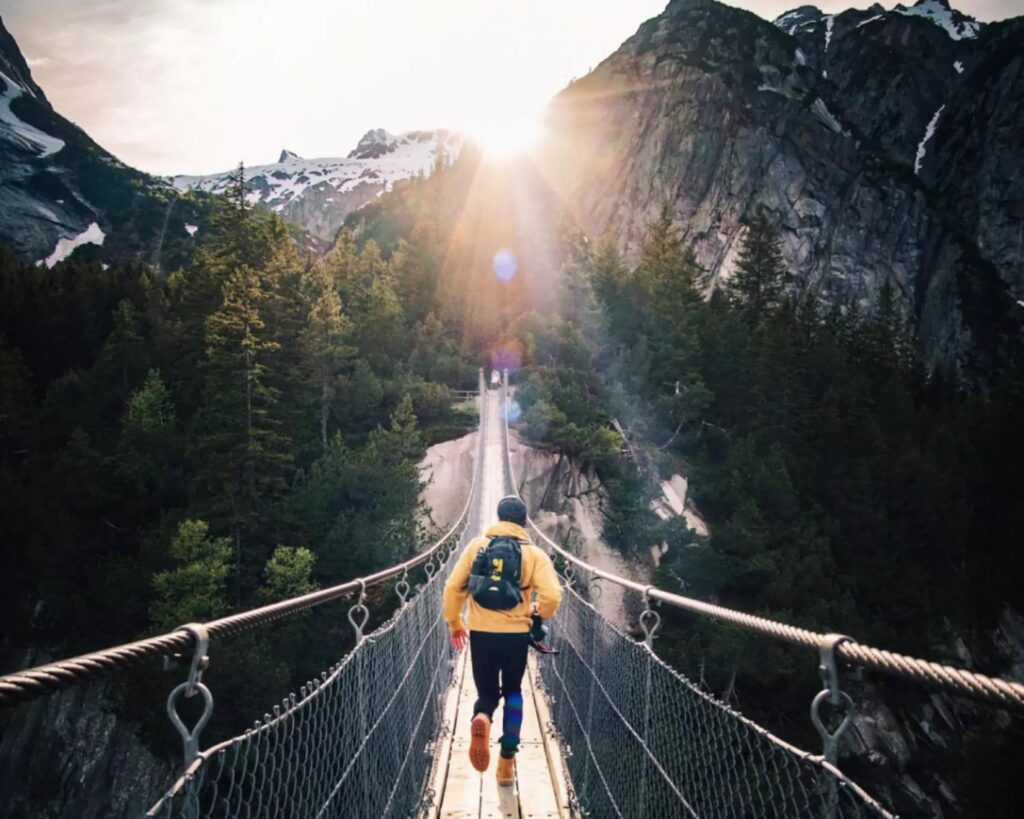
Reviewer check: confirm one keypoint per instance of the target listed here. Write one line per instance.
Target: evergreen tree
(243, 450)
(323, 341)
(195, 590)
(759, 278)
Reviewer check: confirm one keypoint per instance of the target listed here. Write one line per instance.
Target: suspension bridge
(609, 729)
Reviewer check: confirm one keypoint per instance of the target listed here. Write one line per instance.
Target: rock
(710, 109)
(72, 749)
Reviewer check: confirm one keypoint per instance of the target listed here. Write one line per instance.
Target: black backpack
(496, 574)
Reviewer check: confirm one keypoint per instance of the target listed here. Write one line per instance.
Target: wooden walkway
(539, 792)
(460, 792)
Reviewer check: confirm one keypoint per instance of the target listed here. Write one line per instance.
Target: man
(498, 574)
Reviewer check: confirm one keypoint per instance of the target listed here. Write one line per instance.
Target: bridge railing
(676, 745)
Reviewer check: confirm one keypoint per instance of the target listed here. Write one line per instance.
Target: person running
(498, 574)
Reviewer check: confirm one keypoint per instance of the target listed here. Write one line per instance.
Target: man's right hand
(459, 639)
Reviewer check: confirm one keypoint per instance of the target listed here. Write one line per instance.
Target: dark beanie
(512, 509)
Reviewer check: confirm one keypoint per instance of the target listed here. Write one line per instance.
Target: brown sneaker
(479, 742)
(506, 770)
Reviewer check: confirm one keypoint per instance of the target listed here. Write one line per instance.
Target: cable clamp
(358, 614)
(402, 587)
(192, 686)
(829, 671)
(650, 620)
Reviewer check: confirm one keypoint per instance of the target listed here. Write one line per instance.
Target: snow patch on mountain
(870, 20)
(805, 17)
(293, 185)
(929, 132)
(92, 235)
(958, 26)
(27, 136)
(820, 110)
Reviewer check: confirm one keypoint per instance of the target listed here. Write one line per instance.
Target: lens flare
(507, 355)
(504, 264)
(513, 412)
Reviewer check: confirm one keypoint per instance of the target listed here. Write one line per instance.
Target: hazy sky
(193, 86)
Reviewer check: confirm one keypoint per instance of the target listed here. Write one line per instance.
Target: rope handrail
(992, 690)
(31, 683)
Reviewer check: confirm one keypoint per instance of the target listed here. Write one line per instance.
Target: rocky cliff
(819, 122)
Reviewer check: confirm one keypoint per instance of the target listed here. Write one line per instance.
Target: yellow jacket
(538, 575)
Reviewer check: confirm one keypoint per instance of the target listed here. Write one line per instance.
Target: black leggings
(499, 662)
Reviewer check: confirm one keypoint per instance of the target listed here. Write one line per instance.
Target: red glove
(459, 639)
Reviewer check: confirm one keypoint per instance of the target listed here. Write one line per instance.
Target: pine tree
(759, 279)
(323, 340)
(243, 451)
(667, 270)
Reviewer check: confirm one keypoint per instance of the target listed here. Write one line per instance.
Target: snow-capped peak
(374, 143)
(958, 26)
(320, 193)
(804, 17)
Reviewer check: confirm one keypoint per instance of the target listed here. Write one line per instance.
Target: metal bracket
(829, 671)
(192, 686)
(359, 621)
(650, 620)
(402, 587)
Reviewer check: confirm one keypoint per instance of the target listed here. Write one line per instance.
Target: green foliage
(288, 573)
(150, 410)
(195, 590)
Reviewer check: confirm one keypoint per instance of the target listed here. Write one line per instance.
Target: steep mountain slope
(891, 70)
(59, 190)
(722, 114)
(320, 193)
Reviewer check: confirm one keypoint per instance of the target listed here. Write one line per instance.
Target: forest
(247, 428)
(847, 488)
(243, 429)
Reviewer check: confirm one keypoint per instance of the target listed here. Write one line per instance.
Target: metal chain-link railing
(357, 742)
(645, 741)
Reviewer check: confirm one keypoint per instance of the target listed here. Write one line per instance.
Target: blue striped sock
(512, 723)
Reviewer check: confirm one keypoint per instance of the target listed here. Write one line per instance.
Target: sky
(194, 86)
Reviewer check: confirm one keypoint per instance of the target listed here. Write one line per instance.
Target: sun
(505, 133)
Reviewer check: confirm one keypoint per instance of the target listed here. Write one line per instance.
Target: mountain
(61, 191)
(320, 193)
(884, 146)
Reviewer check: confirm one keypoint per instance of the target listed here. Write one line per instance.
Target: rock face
(68, 755)
(447, 472)
(320, 193)
(566, 505)
(818, 122)
(60, 191)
